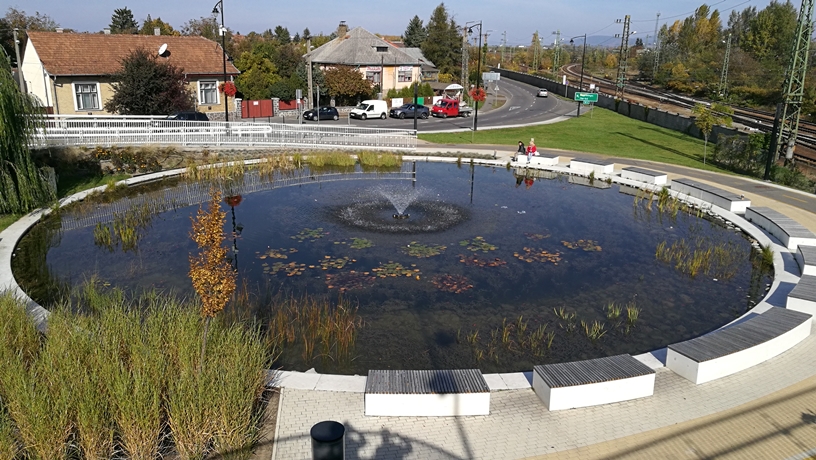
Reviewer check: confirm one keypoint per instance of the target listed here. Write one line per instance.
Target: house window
(382, 49)
(404, 75)
(208, 92)
(87, 96)
(373, 76)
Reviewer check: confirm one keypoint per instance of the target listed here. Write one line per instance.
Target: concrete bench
(716, 196)
(738, 347)
(803, 296)
(589, 165)
(806, 258)
(426, 393)
(644, 175)
(789, 232)
(592, 382)
(541, 159)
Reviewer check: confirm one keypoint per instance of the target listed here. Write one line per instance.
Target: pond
(487, 268)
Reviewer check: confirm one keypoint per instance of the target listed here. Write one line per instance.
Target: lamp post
(223, 31)
(478, 70)
(583, 57)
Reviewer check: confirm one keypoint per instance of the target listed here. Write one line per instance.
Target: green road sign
(586, 98)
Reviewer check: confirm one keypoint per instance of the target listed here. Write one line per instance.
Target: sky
(517, 18)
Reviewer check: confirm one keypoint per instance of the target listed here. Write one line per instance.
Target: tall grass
(116, 377)
(379, 160)
(331, 159)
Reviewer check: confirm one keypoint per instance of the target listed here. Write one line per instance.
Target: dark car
(189, 116)
(325, 113)
(407, 110)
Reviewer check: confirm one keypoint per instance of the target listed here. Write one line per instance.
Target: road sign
(586, 98)
(491, 76)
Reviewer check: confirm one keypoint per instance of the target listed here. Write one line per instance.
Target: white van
(370, 109)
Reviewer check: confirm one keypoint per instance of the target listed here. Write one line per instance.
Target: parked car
(542, 93)
(447, 107)
(370, 109)
(189, 116)
(323, 113)
(407, 110)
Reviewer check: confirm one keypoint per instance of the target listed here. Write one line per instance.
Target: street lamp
(223, 31)
(583, 56)
(478, 69)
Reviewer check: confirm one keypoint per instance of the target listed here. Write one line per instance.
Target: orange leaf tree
(211, 273)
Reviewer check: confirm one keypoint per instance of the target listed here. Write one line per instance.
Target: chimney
(107, 31)
(342, 29)
(59, 30)
(156, 31)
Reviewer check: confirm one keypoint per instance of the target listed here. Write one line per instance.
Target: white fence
(108, 131)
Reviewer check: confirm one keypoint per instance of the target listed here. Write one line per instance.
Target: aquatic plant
(702, 255)
(291, 268)
(422, 251)
(280, 253)
(537, 255)
(360, 243)
(594, 331)
(350, 280)
(632, 314)
(537, 236)
(455, 284)
(477, 244)
(475, 261)
(394, 269)
(586, 245)
(309, 234)
(379, 160)
(613, 311)
(334, 262)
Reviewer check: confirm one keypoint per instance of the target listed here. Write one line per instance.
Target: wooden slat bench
(592, 382)
(806, 258)
(738, 347)
(644, 175)
(803, 296)
(789, 232)
(716, 196)
(588, 165)
(426, 393)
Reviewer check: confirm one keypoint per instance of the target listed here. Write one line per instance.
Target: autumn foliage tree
(347, 85)
(211, 273)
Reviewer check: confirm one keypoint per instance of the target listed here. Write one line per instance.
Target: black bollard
(328, 441)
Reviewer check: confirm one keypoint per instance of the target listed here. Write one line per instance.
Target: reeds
(379, 160)
(568, 318)
(340, 159)
(116, 379)
(613, 312)
(593, 331)
(701, 255)
(510, 337)
(632, 314)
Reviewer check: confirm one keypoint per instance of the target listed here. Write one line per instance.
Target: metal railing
(61, 130)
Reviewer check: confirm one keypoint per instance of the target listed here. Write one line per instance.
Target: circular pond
(483, 268)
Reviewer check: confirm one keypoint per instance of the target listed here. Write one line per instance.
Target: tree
(18, 19)
(707, 117)
(149, 25)
(146, 86)
(22, 186)
(204, 27)
(258, 74)
(443, 46)
(347, 84)
(122, 22)
(415, 33)
(306, 34)
(282, 35)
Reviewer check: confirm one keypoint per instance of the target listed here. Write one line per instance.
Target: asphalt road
(521, 107)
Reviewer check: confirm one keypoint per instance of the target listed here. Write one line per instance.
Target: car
(323, 113)
(407, 110)
(189, 116)
(542, 93)
(370, 109)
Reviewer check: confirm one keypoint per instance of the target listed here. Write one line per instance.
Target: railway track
(753, 119)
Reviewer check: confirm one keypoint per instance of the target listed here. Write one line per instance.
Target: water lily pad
(280, 253)
(455, 284)
(476, 261)
(309, 234)
(394, 269)
(586, 245)
(477, 244)
(530, 255)
(422, 251)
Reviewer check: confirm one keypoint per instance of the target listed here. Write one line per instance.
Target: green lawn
(605, 132)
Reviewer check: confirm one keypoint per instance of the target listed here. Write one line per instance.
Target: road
(521, 107)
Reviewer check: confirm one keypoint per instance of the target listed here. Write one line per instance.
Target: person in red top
(531, 150)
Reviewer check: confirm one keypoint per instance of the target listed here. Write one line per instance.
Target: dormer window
(382, 49)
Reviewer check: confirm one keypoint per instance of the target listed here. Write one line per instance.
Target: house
(70, 72)
(378, 60)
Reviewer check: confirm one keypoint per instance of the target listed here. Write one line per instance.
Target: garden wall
(662, 118)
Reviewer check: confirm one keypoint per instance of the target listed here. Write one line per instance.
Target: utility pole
(654, 37)
(656, 64)
(724, 74)
(465, 58)
(309, 72)
(620, 85)
(794, 87)
(504, 43)
(19, 64)
(556, 52)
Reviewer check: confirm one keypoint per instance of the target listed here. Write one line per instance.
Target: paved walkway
(766, 412)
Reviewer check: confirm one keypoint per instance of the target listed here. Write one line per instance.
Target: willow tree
(22, 185)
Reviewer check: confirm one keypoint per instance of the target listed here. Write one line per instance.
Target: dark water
(408, 321)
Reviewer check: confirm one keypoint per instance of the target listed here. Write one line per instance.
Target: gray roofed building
(359, 47)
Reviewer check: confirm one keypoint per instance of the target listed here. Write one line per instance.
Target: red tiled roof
(100, 54)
